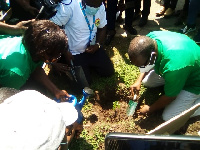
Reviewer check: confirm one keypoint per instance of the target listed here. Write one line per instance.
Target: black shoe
(187, 29)
(143, 21)
(130, 29)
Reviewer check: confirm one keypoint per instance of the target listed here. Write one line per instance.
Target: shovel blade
(131, 107)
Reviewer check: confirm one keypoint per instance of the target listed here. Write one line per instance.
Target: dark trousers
(99, 61)
(194, 9)
(129, 14)
(146, 7)
(170, 3)
(111, 14)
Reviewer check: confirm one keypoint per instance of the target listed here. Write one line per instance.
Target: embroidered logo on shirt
(97, 22)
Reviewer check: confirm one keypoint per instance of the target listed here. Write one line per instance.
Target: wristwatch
(98, 44)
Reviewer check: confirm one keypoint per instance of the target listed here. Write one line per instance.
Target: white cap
(69, 112)
(32, 121)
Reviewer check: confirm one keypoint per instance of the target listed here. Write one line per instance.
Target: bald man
(170, 59)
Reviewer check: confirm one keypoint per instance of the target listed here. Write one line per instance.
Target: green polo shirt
(178, 62)
(16, 64)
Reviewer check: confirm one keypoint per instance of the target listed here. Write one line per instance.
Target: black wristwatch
(98, 44)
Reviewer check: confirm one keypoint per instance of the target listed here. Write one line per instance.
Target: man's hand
(92, 49)
(62, 95)
(23, 25)
(144, 110)
(135, 88)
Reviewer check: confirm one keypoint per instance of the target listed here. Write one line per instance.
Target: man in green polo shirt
(170, 59)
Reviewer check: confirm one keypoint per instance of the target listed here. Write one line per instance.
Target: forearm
(40, 76)
(10, 29)
(101, 35)
(141, 77)
(162, 102)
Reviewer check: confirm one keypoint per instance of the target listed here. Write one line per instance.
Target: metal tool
(132, 106)
(41, 9)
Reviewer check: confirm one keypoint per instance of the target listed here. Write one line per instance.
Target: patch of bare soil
(102, 114)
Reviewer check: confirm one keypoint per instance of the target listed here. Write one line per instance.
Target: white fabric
(152, 79)
(184, 101)
(146, 68)
(32, 121)
(71, 17)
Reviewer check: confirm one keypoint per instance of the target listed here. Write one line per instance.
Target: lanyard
(87, 21)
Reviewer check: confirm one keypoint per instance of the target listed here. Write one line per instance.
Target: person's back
(16, 63)
(178, 61)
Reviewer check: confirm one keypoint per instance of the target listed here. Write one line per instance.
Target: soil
(100, 112)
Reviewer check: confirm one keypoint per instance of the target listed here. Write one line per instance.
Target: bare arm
(17, 29)
(40, 76)
(101, 35)
(136, 86)
(162, 102)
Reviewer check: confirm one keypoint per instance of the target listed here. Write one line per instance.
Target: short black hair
(141, 46)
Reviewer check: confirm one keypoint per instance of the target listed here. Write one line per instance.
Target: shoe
(169, 12)
(143, 21)
(109, 37)
(130, 29)
(197, 38)
(188, 29)
(161, 12)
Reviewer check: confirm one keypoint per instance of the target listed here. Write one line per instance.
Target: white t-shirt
(70, 15)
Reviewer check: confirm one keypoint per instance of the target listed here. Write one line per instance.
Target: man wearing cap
(177, 66)
(84, 22)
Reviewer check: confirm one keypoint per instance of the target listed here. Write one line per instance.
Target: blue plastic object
(71, 99)
(78, 105)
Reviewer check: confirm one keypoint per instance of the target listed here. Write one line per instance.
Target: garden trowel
(132, 106)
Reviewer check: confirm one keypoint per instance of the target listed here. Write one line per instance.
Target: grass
(126, 74)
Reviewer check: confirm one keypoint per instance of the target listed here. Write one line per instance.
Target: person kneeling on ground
(22, 57)
(84, 22)
(170, 59)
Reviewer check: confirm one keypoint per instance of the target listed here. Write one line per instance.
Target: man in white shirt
(84, 22)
